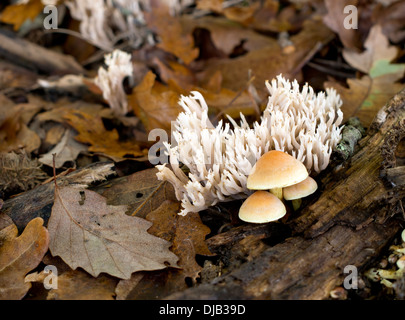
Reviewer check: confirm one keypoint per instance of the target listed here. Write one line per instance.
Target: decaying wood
(38, 201)
(141, 192)
(349, 224)
(35, 57)
(395, 175)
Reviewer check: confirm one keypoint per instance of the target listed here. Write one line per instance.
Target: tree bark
(353, 219)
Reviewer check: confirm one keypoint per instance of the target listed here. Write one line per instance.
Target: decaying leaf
(366, 95)
(78, 285)
(172, 37)
(187, 233)
(154, 103)
(188, 236)
(378, 51)
(141, 191)
(17, 14)
(14, 131)
(86, 232)
(92, 131)
(19, 255)
(266, 63)
(66, 150)
(335, 20)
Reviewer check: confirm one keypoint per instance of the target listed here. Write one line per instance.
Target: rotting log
(35, 57)
(38, 202)
(356, 215)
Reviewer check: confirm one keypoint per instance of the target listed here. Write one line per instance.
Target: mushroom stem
(278, 192)
(296, 203)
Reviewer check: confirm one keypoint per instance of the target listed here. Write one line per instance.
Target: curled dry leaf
(86, 232)
(366, 95)
(172, 37)
(154, 103)
(335, 21)
(92, 131)
(269, 61)
(66, 150)
(19, 255)
(17, 14)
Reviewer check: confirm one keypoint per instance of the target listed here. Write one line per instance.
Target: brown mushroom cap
(276, 169)
(262, 207)
(301, 189)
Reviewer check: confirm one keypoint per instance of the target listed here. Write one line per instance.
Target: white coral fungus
(219, 159)
(104, 22)
(110, 80)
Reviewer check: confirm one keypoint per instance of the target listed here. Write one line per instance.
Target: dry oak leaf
(19, 255)
(335, 21)
(92, 131)
(378, 50)
(187, 233)
(17, 14)
(66, 150)
(170, 31)
(141, 191)
(86, 232)
(366, 95)
(154, 103)
(269, 61)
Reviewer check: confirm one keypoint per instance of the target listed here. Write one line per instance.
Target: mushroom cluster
(219, 158)
(284, 177)
(391, 270)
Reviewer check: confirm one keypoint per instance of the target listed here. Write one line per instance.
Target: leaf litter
(117, 234)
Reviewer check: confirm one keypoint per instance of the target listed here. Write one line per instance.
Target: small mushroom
(300, 190)
(274, 171)
(262, 207)
(401, 263)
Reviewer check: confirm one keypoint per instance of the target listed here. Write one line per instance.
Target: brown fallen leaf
(17, 14)
(227, 35)
(19, 255)
(78, 285)
(268, 62)
(391, 19)
(86, 232)
(170, 32)
(141, 191)
(14, 131)
(154, 103)
(66, 150)
(335, 18)
(188, 236)
(92, 131)
(365, 96)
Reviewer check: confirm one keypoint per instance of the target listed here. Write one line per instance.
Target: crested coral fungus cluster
(105, 22)
(220, 158)
(110, 80)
